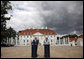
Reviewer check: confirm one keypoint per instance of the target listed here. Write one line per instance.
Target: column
(55, 40)
(30, 40)
(25, 41)
(68, 41)
(64, 40)
(16, 40)
(59, 40)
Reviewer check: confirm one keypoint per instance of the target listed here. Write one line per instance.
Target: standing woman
(46, 48)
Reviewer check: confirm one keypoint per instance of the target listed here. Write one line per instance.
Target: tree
(5, 7)
(70, 36)
(10, 32)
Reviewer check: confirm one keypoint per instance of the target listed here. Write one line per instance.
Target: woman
(46, 48)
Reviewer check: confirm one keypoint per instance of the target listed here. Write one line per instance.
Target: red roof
(73, 39)
(81, 36)
(33, 31)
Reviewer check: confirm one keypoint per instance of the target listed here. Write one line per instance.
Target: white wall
(42, 38)
(72, 43)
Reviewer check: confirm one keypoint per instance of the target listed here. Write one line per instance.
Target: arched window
(57, 40)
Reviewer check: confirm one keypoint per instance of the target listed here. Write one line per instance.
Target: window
(75, 44)
(24, 40)
(24, 36)
(27, 36)
(27, 44)
(56, 42)
(51, 40)
(57, 38)
(27, 40)
(61, 41)
(66, 41)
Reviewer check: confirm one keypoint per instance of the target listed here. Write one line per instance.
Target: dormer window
(57, 38)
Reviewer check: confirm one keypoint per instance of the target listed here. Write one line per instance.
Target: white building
(26, 36)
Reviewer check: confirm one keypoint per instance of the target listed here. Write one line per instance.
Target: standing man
(34, 47)
(46, 48)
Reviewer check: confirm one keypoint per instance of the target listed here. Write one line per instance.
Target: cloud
(62, 16)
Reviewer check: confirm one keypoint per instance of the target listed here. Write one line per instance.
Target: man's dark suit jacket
(34, 48)
(35, 42)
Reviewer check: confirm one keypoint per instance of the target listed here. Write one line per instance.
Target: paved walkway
(55, 52)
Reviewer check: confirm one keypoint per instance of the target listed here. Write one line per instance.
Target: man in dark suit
(34, 47)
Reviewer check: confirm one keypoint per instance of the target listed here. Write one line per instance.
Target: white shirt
(46, 42)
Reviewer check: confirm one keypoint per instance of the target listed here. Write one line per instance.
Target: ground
(55, 52)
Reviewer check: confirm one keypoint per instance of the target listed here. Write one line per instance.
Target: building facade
(26, 36)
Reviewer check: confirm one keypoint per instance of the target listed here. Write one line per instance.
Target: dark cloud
(65, 17)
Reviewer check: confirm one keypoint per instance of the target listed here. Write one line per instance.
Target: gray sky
(64, 17)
